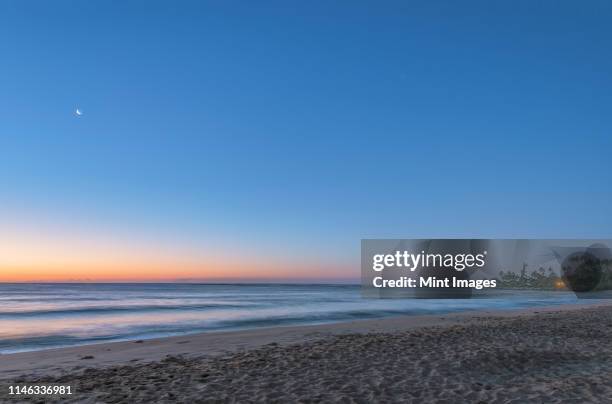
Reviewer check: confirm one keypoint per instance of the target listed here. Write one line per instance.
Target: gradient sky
(243, 140)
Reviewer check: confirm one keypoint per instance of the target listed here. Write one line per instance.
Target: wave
(36, 317)
(115, 309)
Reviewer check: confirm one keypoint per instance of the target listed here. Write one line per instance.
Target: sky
(240, 140)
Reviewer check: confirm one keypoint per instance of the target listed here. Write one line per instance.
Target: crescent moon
(78, 112)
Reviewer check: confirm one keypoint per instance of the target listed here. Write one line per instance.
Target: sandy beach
(555, 354)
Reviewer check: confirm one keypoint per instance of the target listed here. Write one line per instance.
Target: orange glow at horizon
(156, 273)
(40, 258)
(161, 271)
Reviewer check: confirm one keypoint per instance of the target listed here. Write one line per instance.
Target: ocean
(41, 316)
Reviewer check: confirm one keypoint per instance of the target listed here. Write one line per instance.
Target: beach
(552, 354)
(306, 202)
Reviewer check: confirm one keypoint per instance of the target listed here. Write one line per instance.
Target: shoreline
(57, 361)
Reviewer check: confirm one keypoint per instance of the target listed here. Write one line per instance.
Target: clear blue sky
(299, 128)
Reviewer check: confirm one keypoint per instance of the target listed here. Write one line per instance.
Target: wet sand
(558, 354)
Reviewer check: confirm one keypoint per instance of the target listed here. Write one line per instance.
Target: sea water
(40, 316)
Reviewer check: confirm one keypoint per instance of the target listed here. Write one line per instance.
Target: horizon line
(194, 282)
